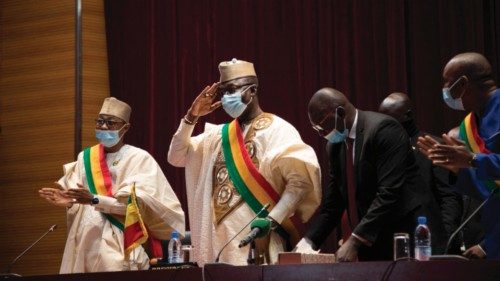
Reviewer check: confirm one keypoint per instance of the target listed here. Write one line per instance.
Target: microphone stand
(7, 272)
(452, 236)
(241, 230)
(251, 260)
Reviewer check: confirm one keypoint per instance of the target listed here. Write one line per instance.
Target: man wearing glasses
(372, 169)
(95, 191)
(235, 169)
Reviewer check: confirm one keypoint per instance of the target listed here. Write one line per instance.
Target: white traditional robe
(285, 161)
(93, 243)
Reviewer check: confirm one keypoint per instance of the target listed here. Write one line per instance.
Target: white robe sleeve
(159, 206)
(301, 184)
(181, 144)
(110, 205)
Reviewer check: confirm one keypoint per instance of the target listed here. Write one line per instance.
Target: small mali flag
(135, 232)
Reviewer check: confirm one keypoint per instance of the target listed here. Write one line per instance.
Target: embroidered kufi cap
(113, 106)
(233, 69)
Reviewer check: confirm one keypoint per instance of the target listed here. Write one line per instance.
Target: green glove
(264, 224)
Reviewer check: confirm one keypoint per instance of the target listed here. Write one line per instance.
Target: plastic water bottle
(422, 240)
(174, 249)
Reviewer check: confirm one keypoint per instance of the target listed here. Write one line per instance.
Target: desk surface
(402, 270)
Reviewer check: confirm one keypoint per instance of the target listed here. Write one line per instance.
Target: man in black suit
(374, 184)
(442, 202)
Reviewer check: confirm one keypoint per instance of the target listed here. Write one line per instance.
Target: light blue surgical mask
(232, 103)
(108, 138)
(335, 136)
(455, 104)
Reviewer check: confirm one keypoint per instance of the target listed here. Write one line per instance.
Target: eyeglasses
(230, 91)
(109, 123)
(319, 128)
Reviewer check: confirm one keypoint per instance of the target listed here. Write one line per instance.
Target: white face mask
(455, 104)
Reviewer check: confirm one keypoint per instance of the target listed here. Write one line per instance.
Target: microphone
(452, 236)
(9, 267)
(256, 232)
(250, 237)
(256, 215)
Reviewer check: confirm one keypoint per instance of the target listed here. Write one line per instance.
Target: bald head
(473, 65)
(324, 101)
(396, 105)
(329, 109)
(471, 75)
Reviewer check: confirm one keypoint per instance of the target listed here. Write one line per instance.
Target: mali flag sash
(469, 133)
(135, 232)
(99, 182)
(251, 185)
(99, 177)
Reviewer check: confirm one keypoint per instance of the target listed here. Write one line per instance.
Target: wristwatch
(94, 201)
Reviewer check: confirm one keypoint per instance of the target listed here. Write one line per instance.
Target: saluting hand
(204, 102)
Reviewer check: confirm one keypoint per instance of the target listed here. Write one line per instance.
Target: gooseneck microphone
(250, 237)
(243, 228)
(452, 236)
(260, 228)
(9, 267)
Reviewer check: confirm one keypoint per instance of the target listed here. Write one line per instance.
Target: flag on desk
(134, 232)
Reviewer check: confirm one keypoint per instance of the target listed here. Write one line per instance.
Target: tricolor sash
(469, 133)
(252, 186)
(99, 182)
(99, 177)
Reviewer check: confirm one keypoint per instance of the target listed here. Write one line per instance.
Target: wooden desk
(402, 270)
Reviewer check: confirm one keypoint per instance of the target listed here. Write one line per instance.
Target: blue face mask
(108, 138)
(335, 136)
(232, 103)
(455, 104)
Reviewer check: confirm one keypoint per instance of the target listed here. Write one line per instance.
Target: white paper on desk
(305, 246)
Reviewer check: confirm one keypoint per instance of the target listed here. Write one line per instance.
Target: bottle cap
(175, 234)
(422, 220)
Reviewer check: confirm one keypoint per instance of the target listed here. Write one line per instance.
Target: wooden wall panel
(95, 67)
(37, 109)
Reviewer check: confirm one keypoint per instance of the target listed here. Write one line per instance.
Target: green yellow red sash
(99, 177)
(469, 133)
(252, 186)
(99, 181)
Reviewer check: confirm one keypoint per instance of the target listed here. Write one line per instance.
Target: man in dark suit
(373, 182)
(439, 198)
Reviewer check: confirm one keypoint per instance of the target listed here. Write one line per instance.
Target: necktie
(350, 218)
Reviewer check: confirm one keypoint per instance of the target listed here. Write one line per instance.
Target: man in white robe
(95, 244)
(217, 211)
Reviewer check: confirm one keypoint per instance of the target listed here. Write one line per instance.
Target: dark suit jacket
(385, 176)
(441, 204)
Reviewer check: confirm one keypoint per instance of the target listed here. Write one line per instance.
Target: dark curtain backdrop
(163, 52)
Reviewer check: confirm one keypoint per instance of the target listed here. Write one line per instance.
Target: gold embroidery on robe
(225, 197)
